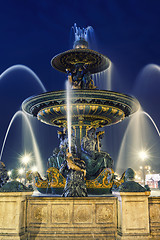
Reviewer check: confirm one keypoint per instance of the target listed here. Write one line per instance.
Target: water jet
(89, 109)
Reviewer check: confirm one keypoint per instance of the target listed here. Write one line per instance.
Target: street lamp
(26, 158)
(143, 156)
(21, 171)
(9, 174)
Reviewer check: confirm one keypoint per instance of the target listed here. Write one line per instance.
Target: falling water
(68, 88)
(127, 147)
(137, 133)
(109, 78)
(96, 79)
(35, 146)
(103, 79)
(27, 69)
(152, 122)
(134, 139)
(148, 78)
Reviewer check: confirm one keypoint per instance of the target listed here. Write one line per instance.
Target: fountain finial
(81, 36)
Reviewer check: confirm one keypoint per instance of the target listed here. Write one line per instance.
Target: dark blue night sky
(33, 31)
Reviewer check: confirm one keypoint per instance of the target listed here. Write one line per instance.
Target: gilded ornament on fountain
(91, 109)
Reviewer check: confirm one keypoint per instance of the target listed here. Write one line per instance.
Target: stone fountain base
(25, 217)
(72, 218)
(13, 215)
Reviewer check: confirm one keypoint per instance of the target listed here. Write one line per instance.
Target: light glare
(26, 159)
(34, 169)
(143, 155)
(21, 171)
(9, 173)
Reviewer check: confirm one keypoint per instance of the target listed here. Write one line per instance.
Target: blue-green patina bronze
(129, 185)
(91, 109)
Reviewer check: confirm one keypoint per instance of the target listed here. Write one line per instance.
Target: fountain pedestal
(72, 218)
(13, 215)
(133, 215)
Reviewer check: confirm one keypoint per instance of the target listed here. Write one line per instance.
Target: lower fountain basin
(90, 107)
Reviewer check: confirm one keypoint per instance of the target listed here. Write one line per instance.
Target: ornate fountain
(85, 168)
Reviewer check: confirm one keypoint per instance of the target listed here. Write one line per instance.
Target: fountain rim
(82, 91)
(31, 101)
(58, 64)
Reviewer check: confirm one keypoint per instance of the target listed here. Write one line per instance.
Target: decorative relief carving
(60, 213)
(155, 212)
(39, 213)
(83, 214)
(104, 213)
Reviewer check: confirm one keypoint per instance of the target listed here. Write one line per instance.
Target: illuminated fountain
(80, 113)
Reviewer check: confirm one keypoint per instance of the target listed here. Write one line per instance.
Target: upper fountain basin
(88, 107)
(95, 62)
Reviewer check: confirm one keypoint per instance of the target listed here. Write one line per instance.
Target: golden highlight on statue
(75, 180)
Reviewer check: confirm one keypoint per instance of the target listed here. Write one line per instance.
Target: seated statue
(91, 153)
(108, 160)
(80, 78)
(58, 155)
(52, 160)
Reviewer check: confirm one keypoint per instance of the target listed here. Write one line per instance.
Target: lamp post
(143, 156)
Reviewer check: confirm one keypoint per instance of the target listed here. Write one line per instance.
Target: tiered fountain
(79, 166)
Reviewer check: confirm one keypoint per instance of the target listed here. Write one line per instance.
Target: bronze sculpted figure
(95, 159)
(76, 172)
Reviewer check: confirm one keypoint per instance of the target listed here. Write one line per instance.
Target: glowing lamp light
(34, 169)
(9, 173)
(143, 155)
(21, 171)
(26, 159)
